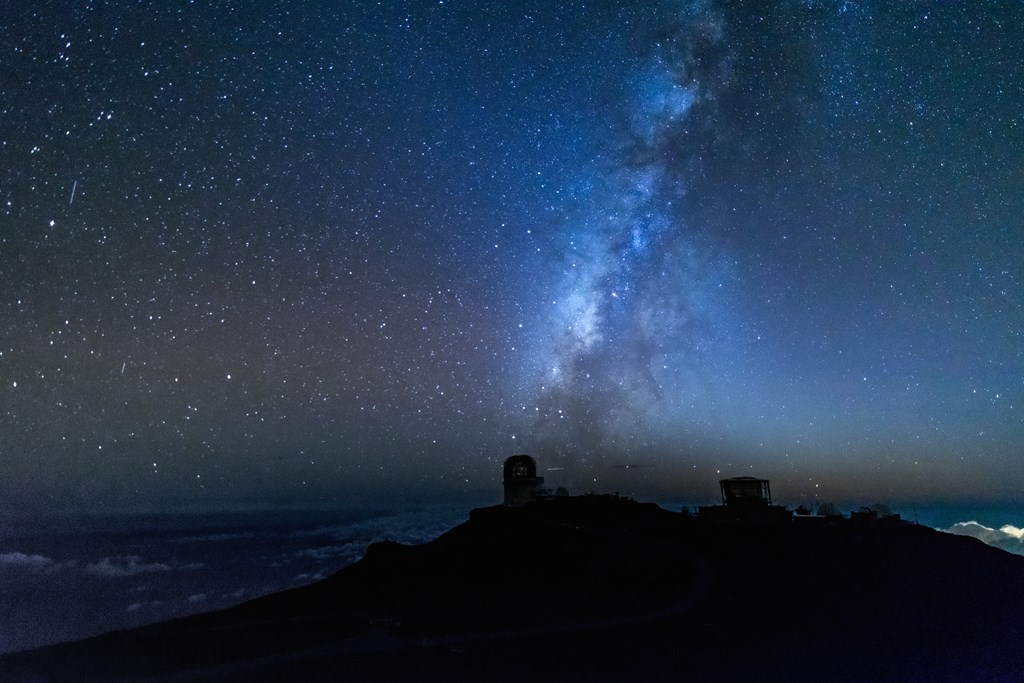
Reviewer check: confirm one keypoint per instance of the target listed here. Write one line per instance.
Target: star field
(264, 253)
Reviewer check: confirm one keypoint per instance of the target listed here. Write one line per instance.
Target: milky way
(635, 313)
(260, 254)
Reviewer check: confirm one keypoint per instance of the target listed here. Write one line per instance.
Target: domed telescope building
(522, 485)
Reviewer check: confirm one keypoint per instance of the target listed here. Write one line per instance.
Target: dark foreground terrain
(601, 588)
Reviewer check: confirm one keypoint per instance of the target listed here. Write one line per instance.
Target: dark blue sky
(266, 253)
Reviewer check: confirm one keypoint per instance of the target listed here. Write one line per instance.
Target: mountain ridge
(604, 588)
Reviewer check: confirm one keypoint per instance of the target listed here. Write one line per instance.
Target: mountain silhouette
(601, 588)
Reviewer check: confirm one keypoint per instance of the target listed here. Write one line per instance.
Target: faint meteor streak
(73, 188)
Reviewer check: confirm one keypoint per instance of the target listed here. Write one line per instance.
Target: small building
(522, 485)
(746, 499)
(746, 491)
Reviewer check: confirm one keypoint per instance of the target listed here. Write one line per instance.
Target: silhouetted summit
(605, 588)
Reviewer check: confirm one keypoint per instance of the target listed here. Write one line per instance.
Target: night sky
(275, 253)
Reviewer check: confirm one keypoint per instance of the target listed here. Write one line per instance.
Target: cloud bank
(129, 565)
(23, 561)
(1006, 537)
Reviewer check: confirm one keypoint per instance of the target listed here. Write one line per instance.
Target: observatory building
(746, 491)
(747, 499)
(522, 485)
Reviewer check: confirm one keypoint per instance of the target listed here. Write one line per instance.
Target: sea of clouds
(69, 578)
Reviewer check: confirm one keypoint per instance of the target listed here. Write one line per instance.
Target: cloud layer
(129, 565)
(1007, 537)
(61, 586)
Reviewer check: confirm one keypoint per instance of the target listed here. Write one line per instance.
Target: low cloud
(35, 563)
(1006, 537)
(346, 551)
(109, 567)
(409, 527)
(306, 577)
(129, 565)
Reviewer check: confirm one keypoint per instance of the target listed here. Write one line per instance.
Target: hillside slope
(602, 588)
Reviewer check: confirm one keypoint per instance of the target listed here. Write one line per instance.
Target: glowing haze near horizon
(276, 253)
